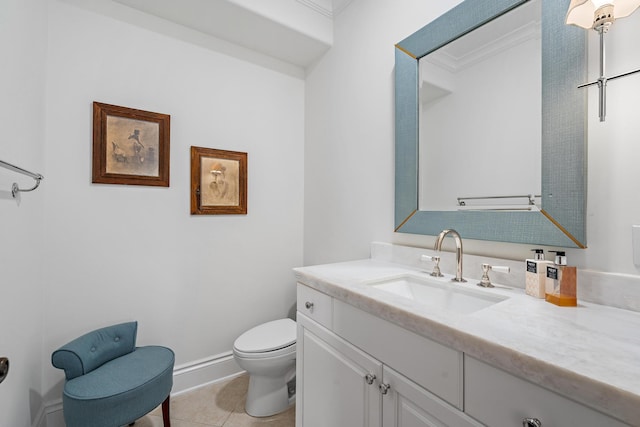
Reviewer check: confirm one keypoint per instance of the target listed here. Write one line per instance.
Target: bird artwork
(137, 145)
(130, 146)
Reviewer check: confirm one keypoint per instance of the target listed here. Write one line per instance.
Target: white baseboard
(186, 377)
(53, 415)
(40, 419)
(204, 371)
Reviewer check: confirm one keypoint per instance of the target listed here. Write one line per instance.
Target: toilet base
(267, 396)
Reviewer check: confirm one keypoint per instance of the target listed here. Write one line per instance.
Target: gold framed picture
(130, 146)
(218, 182)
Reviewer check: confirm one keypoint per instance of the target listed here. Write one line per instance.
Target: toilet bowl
(268, 353)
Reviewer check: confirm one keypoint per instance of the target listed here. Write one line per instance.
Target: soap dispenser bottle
(536, 274)
(561, 282)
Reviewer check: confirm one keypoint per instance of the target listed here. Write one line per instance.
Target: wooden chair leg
(166, 420)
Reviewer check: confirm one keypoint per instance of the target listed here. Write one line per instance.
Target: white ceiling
(238, 22)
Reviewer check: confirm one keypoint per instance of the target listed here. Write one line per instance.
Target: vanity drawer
(429, 364)
(315, 305)
(497, 398)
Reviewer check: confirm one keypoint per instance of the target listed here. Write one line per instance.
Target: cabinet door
(333, 388)
(406, 404)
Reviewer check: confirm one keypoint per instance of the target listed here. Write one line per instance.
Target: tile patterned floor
(216, 405)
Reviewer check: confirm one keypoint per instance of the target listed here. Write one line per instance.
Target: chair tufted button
(116, 339)
(93, 349)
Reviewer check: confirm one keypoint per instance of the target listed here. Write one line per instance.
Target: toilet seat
(286, 351)
(270, 339)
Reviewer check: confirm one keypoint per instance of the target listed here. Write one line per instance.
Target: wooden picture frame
(218, 182)
(130, 146)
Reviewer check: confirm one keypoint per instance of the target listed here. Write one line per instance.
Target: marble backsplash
(611, 289)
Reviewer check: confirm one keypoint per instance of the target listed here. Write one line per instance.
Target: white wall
(614, 152)
(22, 43)
(349, 150)
(116, 253)
(349, 126)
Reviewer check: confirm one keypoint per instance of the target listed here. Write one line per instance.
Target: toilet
(268, 353)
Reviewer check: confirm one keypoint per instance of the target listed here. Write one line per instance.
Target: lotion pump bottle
(561, 282)
(536, 274)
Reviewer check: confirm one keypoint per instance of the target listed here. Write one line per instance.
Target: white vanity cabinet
(353, 370)
(497, 398)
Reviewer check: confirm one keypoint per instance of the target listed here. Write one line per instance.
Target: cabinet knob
(384, 388)
(308, 305)
(531, 422)
(369, 378)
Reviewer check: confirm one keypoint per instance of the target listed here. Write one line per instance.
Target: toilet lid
(269, 336)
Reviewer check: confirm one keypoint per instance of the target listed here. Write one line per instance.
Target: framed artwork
(130, 146)
(218, 182)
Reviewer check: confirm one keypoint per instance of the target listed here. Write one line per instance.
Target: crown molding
(328, 8)
(339, 6)
(452, 63)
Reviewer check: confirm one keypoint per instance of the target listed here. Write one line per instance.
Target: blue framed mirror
(557, 218)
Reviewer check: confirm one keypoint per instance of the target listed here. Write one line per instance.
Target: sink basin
(438, 293)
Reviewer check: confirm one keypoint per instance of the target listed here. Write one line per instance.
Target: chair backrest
(93, 349)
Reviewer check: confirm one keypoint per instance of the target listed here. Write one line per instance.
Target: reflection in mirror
(480, 116)
(558, 218)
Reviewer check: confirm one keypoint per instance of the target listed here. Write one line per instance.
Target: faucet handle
(436, 267)
(485, 282)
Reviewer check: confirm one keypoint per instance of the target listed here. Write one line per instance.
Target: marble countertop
(590, 353)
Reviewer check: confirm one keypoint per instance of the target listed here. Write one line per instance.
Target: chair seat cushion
(122, 390)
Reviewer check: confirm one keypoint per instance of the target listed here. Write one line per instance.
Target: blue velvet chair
(109, 381)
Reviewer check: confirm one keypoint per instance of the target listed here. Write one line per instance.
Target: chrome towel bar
(531, 198)
(14, 188)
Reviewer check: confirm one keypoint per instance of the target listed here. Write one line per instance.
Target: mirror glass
(510, 133)
(490, 80)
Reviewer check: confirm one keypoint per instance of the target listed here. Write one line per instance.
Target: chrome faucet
(458, 240)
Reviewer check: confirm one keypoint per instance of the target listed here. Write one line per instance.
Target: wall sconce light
(599, 15)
